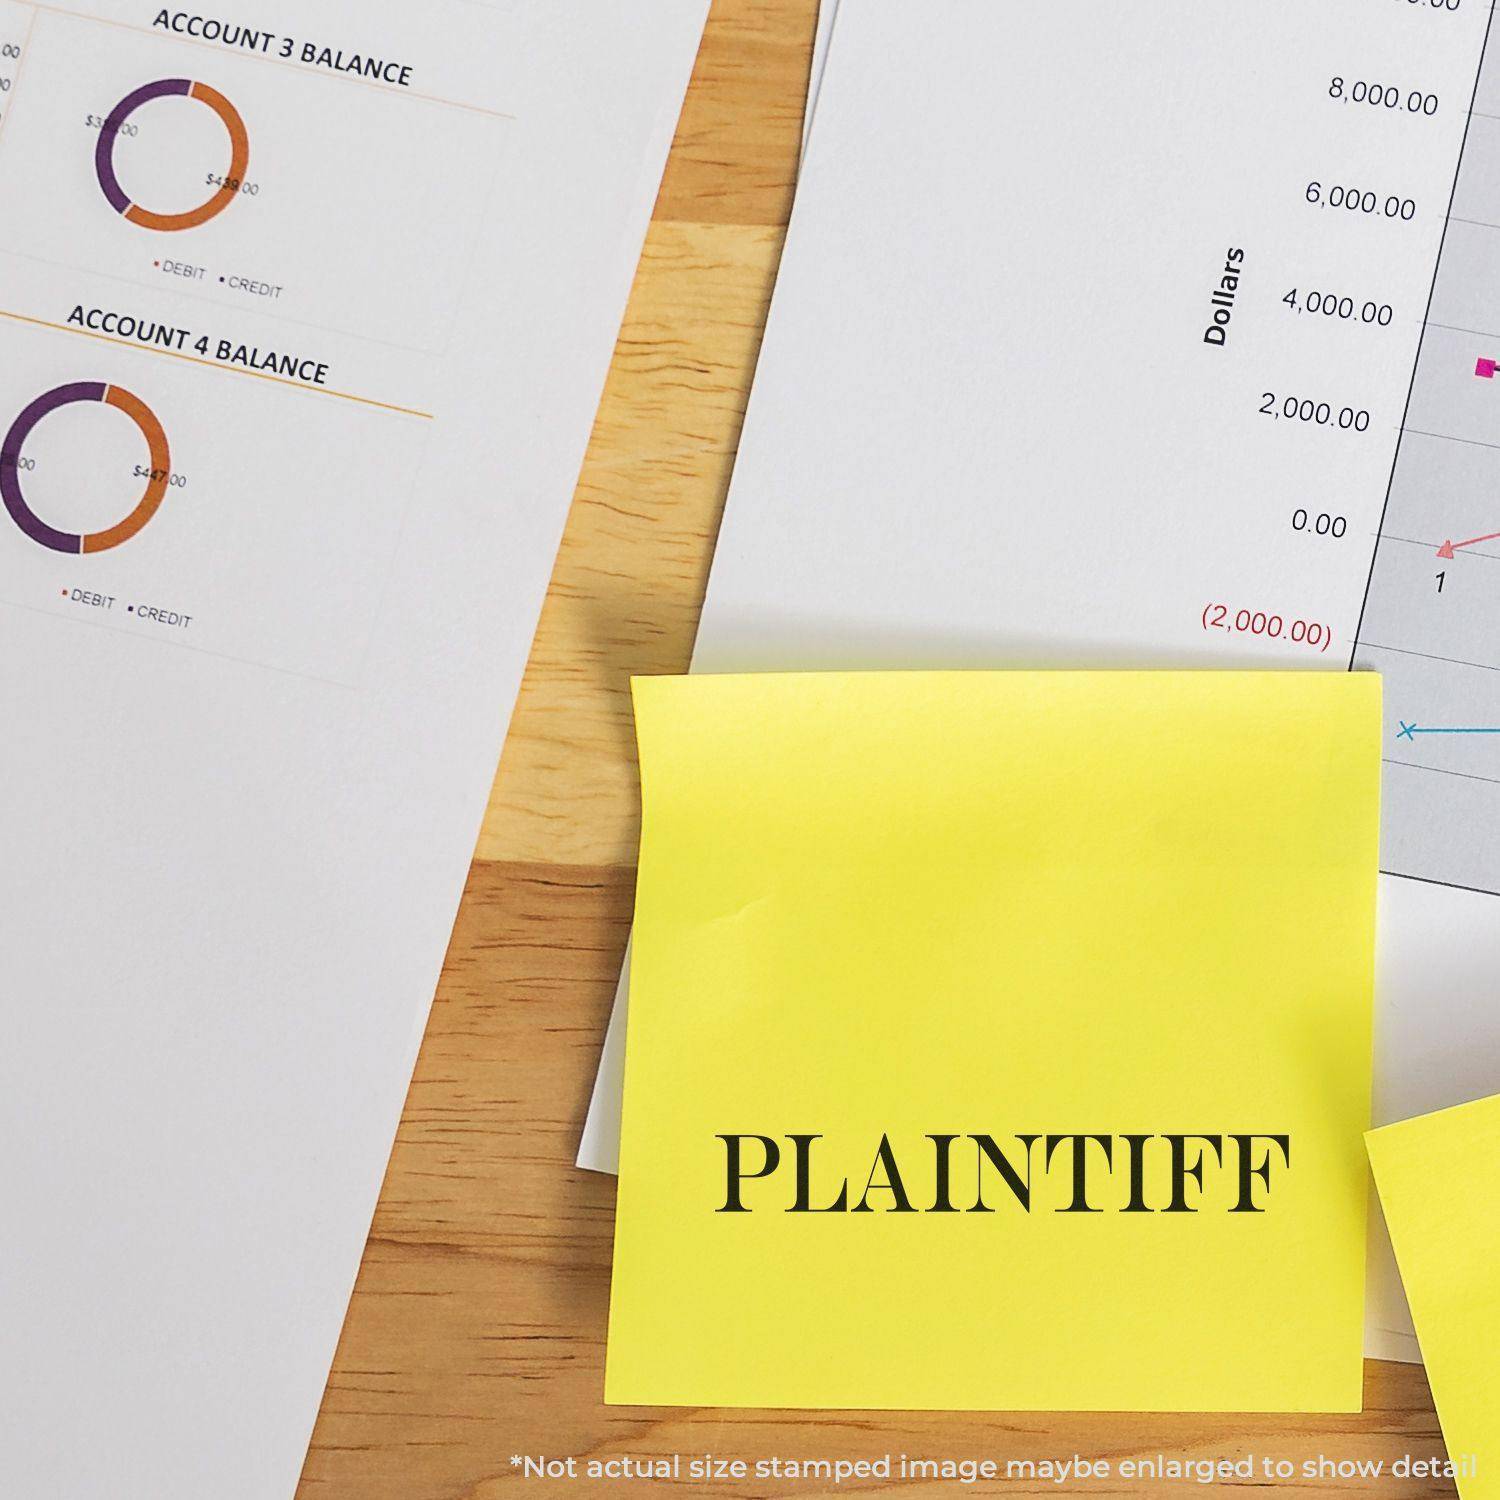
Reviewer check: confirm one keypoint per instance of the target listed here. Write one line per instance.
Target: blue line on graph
(1411, 731)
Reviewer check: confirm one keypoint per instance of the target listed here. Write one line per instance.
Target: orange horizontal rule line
(213, 364)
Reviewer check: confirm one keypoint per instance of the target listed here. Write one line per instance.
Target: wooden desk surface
(477, 1328)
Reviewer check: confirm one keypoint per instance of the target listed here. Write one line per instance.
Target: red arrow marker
(1449, 548)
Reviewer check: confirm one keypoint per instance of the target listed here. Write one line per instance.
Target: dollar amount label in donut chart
(229, 185)
(13, 464)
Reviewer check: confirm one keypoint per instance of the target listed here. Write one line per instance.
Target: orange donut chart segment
(156, 486)
(239, 155)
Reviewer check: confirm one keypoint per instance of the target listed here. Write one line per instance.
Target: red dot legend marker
(1485, 369)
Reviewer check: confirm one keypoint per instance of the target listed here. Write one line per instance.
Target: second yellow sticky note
(1438, 1186)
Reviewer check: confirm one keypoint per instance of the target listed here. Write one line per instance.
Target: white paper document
(305, 310)
(1104, 350)
(827, 13)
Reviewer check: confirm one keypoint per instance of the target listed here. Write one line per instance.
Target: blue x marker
(1411, 731)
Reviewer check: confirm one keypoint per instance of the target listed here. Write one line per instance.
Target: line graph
(1431, 621)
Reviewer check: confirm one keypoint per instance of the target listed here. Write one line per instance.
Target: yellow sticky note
(1440, 1192)
(999, 1041)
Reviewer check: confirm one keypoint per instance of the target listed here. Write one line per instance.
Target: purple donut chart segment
(78, 543)
(10, 461)
(109, 134)
(104, 151)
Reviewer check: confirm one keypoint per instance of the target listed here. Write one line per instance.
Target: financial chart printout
(209, 389)
(305, 309)
(1431, 619)
(1130, 382)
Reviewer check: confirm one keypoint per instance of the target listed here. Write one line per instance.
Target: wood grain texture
(633, 565)
(476, 1331)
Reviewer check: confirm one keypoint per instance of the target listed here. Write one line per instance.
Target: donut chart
(72, 542)
(166, 88)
